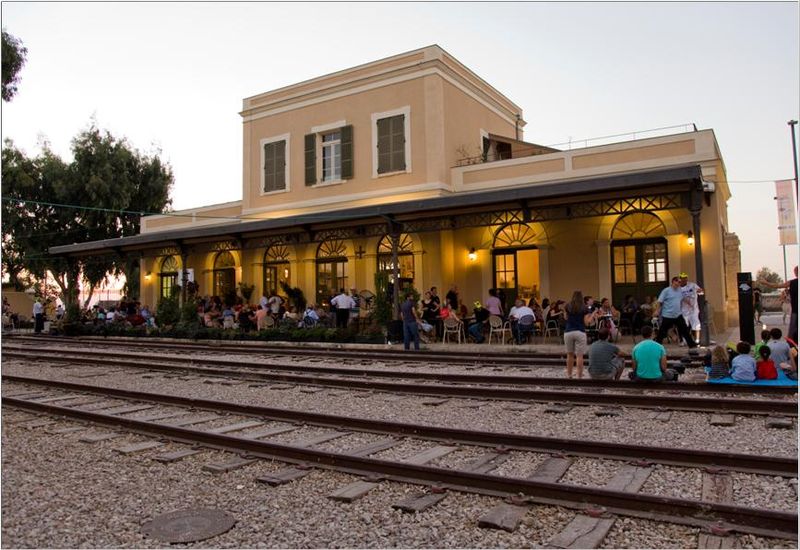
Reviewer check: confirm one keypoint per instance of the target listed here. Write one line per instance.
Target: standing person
(575, 332)
(758, 307)
(410, 329)
(792, 286)
(650, 359)
(690, 308)
(38, 316)
(493, 304)
(59, 312)
(430, 310)
(670, 301)
(343, 303)
(452, 297)
(274, 303)
(604, 360)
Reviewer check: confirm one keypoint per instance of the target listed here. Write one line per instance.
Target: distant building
(418, 151)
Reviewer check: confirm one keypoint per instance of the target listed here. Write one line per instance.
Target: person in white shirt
(38, 315)
(517, 312)
(690, 309)
(343, 304)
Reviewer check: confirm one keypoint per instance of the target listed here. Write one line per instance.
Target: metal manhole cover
(188, 525)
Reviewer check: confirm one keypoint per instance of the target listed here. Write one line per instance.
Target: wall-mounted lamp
(148, 276)
(690, 238)
(472, 254)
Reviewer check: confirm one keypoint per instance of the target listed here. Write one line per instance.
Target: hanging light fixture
(690, 238)
(472, 254)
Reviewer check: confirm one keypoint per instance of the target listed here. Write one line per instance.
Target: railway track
(52, 398)
(443, 385)
(493, 355)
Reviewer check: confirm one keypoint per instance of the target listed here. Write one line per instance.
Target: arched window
(516, 263)
(224, 274)
(405, 258)
(168, 276)
(638, 256)
(331, 269)
(276, 268)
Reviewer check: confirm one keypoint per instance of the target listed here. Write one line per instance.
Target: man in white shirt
(517, 312)
(690, 309)
(38, 315)
(343, 304)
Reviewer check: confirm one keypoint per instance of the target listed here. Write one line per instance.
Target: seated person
(650, 360)
(743, 367)
(765, 367)
(604, 360)
(765, 335)
(517, 313)
(779, 348)
(647, 310)
(310, 317)
(719, 364)
(476, 329)
(604, 316)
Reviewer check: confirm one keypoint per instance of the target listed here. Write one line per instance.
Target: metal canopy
(654, 190)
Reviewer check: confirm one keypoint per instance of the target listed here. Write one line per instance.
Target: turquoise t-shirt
(648, 354)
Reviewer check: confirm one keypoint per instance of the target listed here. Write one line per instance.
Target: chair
(452, 327)
(525, 327)
(499, 328)
(552, 328)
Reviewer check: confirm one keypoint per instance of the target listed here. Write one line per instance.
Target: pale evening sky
(172, 76)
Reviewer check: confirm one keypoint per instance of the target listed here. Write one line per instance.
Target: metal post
(792, 124)
(695, 208)
(785, 273)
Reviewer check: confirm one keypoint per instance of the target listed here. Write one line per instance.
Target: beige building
(418, 153)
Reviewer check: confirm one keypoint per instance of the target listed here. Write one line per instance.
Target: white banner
(787, 224)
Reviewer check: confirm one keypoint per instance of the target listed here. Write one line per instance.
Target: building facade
(415, 166)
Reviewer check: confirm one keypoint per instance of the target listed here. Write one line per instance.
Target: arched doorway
(331, 270)
(276, 268)
(638, 257)
(168, 277)
(224, 274)
(405, 259)
(515, 259)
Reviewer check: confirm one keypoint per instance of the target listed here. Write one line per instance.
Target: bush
(168, 312)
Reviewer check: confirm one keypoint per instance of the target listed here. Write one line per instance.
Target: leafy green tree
(98, 195)
(14, 56)
(768, 275)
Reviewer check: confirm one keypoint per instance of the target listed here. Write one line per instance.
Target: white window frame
(319, 131)
(267, 141)
(406, 110)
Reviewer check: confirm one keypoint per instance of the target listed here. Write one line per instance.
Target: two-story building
(414, 160)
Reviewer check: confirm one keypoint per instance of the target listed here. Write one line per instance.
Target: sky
(171, 77)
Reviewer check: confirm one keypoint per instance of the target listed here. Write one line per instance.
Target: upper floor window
(275, 169)
(391, 142)
(329, 154)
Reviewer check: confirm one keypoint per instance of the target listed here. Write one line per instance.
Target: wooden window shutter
(347, 151)
(398, 143)
(269, 167)
(311, 159)
(384, 146)
(280, 165)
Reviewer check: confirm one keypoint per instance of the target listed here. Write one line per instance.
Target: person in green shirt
(650, 360)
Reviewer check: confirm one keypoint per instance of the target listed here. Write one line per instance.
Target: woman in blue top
(575, 332)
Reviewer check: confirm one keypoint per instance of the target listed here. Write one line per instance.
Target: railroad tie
(39, 423)
(558, 408)
(352, 491)
(268, 432)
(96, 438)
(503, 516)
(551, 470)
(324, 438)
(236, 427)
(192, 420)
(68, 430)
(608, 411)
(486, 463)
(282, 477)
(429, 455)
(722, 419)
(661, 416)
(717, 487)
(586, 531)
(780, 422)
(229, 466)
(174, 456)
(373, 448)
(419, 502)
(138, 447)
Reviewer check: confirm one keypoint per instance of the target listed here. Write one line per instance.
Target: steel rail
(695, 404)
(767, 465)
(744, 519)
(519, 358)
(495, 379)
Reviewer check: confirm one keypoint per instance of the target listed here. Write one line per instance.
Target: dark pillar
(747, 332)
(695, 208)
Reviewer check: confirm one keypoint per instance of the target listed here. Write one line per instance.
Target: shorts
(575, 341)
(692, 320)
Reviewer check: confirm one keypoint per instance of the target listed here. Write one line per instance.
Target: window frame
(375, 117)
(286, 138)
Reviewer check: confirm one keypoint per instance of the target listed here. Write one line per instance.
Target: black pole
(792, 124)
(695, 208)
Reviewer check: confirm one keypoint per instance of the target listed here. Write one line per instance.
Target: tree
(99, 195)
(13, 60)
(768, 275)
